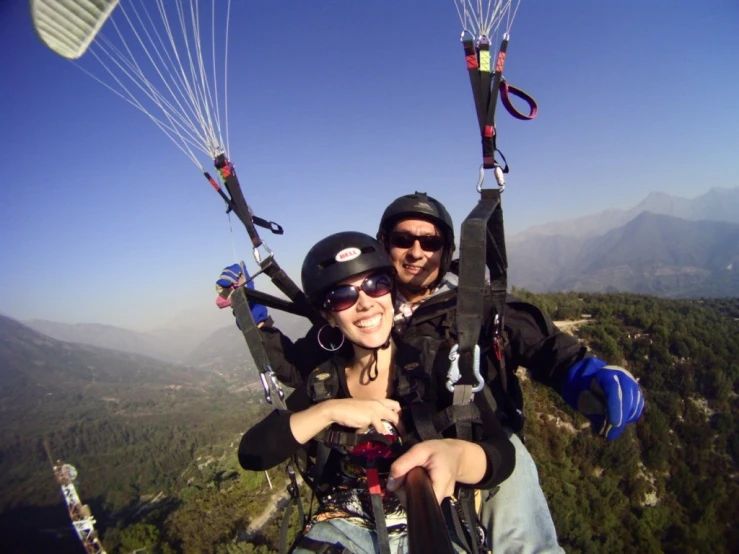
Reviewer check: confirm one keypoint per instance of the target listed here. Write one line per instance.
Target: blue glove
(230, 278)
(607, 395)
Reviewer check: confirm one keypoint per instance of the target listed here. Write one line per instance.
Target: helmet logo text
(348, 254)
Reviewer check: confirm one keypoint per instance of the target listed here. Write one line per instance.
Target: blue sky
(335, 108)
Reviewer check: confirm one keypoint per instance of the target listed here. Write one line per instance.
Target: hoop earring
(318, 338)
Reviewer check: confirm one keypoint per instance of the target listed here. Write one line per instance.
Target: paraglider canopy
(68, 27)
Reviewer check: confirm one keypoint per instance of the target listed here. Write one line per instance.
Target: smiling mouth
(412, 268)
(370, 323)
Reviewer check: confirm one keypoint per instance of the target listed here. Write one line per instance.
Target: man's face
(417, 268)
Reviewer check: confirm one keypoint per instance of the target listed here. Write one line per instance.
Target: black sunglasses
(343, 297)
(429, 243)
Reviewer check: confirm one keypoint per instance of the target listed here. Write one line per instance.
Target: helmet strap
(373, 370)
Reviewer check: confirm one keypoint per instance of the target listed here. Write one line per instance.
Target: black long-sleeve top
(271, 441)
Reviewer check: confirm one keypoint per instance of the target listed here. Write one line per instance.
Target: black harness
(419, 365)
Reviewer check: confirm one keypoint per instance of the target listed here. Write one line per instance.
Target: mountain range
(36, 367)
(718, 204)
(665, 246)
(213, 348)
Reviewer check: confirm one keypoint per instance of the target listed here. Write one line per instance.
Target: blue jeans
(517, 517)
(356, 539)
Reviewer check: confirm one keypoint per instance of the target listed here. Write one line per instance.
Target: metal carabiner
(499, 177)
(258, 256)
(481, 178)
(454, 375)
(275, 384)
(265, 386)
(466, 35)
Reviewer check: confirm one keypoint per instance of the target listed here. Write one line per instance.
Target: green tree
(138, 536)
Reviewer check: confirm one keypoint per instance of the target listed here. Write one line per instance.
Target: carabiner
(454, 375)
(498, 172)
(265, 386)
(275, 384)
(466, 35)
(258, 256)
(499, 177)
(481, 179)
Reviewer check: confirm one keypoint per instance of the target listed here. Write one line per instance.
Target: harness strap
(506, 91)
(450, 509)
(322, 454)
(237, 204)
(468, 515)
(335, 438)
(375, 490)
(487, 85)
(295, 499)
(452, 415)
(482, 244)
(253, 338)
(423, 422)
(471, 288)
(261, 297)
(285, 526)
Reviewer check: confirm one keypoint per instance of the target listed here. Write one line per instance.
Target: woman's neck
(365, 370)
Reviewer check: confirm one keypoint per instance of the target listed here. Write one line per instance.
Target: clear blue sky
(337, 107)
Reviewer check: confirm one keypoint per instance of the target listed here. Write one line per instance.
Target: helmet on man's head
(338, 257)
(420, 206)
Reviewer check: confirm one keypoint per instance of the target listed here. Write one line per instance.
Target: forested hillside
(669, 485)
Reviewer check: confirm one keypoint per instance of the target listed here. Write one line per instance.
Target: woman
(356, 407)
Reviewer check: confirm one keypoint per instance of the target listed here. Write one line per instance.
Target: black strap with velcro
(488, 85)
(273, 393)
(482, 243)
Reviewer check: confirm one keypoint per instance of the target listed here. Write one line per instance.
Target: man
(418, 234)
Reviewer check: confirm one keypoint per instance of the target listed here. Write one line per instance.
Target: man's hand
(608, 396)
(231, 277)
(439, 457)
(447, 461)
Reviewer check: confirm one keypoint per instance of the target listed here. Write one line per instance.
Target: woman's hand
(357, 413)
(360, 413)
(447, 461)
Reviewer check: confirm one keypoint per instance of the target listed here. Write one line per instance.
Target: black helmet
(338, 257)
(420, 206)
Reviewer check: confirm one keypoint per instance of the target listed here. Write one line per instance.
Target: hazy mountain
(537, 263)
(172, 342)
(44, 381)
(653, 254)
(192, 338)
(30, 360)
(718, 204)
(225, 350)
(188, 328)
(105, 336)
(291, 325)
